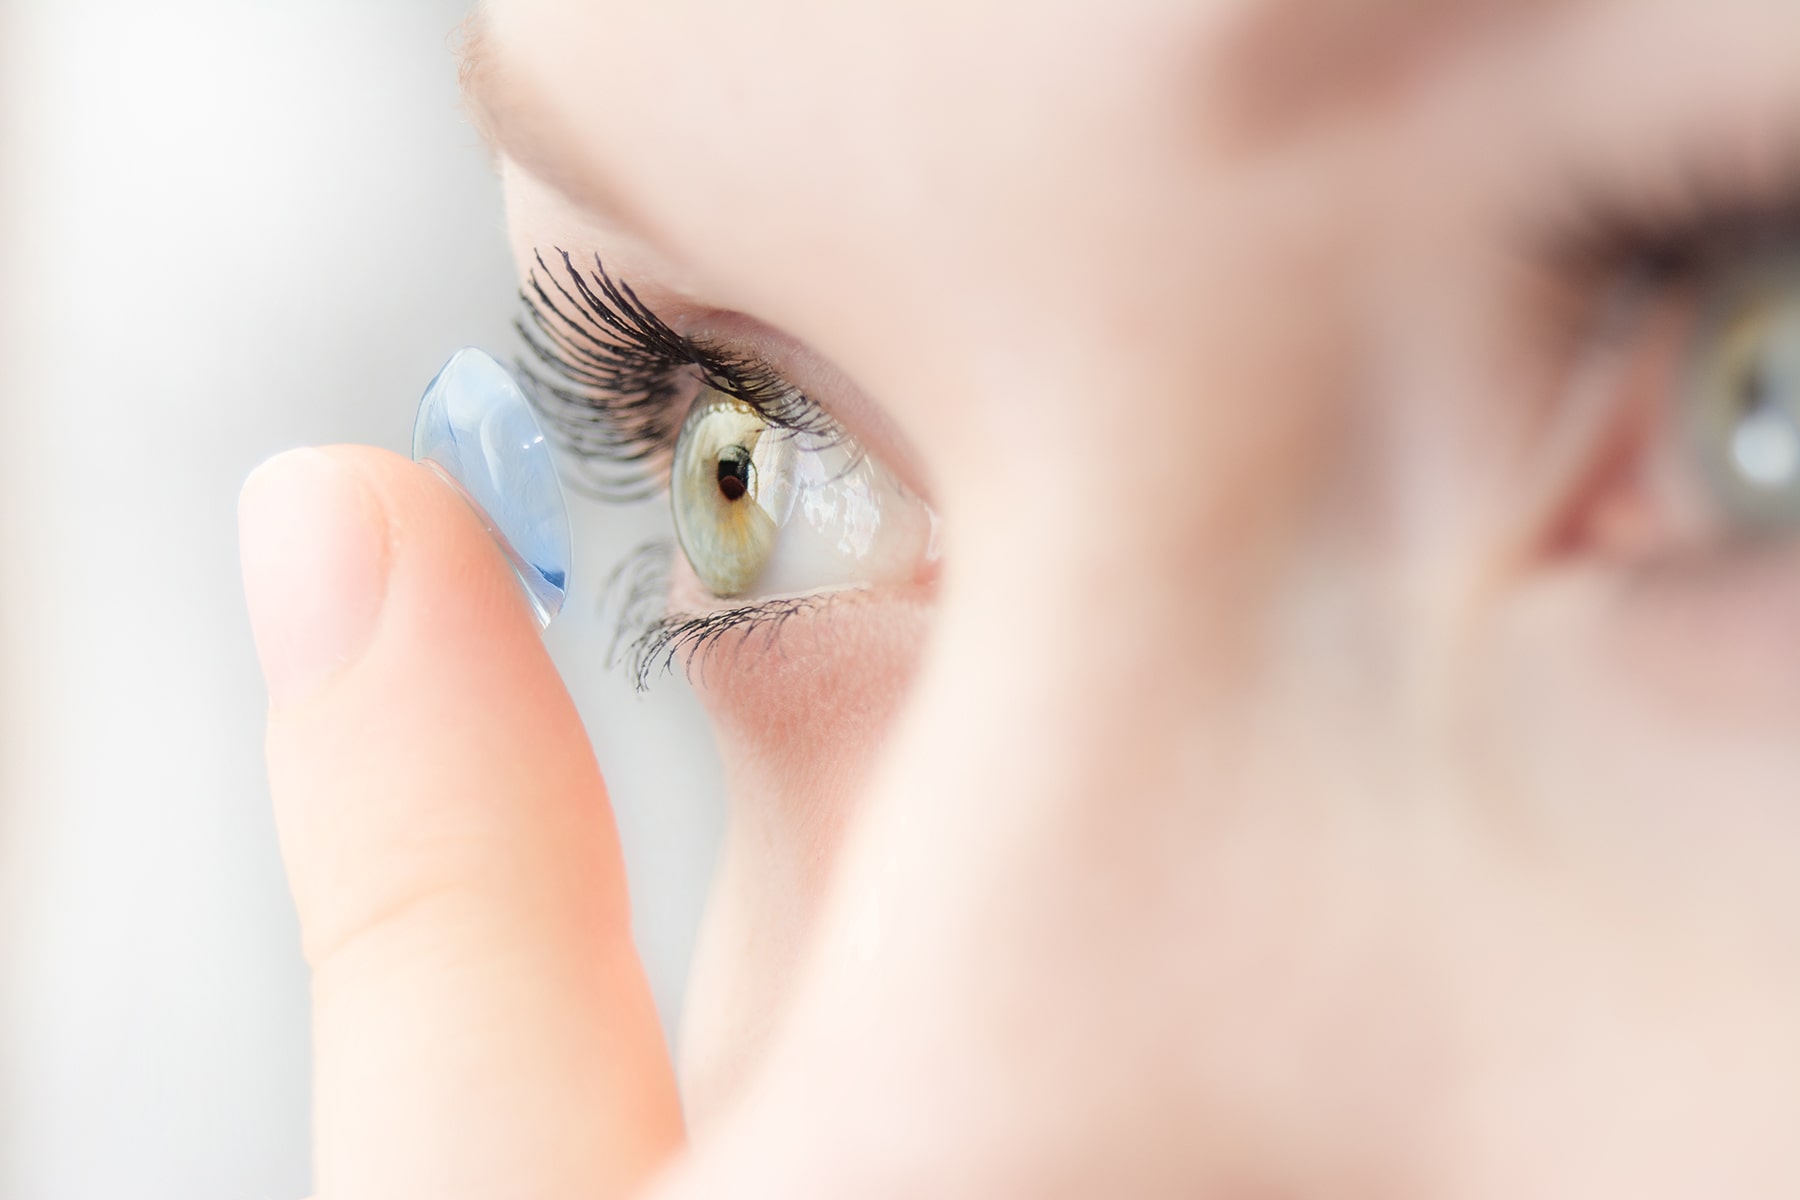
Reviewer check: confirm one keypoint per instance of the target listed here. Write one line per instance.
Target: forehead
(1254, 58)
(669, 112)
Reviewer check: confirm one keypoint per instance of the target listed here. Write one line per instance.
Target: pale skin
(1337, 755)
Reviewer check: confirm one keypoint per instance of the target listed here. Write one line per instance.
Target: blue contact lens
(476, 427)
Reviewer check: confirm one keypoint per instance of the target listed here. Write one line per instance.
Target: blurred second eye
(1742, 399)
(761, 510)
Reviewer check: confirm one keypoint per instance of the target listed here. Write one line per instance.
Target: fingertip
(313, 540)
(454, 864)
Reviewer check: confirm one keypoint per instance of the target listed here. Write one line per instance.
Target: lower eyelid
(663, 618)
(687, 640)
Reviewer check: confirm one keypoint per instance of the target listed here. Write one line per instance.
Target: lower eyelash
(692, 637)
(647, 640)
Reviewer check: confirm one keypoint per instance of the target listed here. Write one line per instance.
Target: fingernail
(313, 539)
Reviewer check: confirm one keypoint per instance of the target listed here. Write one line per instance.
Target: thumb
(482, 1026)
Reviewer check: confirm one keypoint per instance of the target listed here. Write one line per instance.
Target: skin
(1347, 750)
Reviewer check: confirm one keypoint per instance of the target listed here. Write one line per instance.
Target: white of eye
(845, 520)
(817, 513)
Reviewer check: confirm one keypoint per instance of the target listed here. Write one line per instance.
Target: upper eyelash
(608, 376)
(1605, 242)
(1704, 213)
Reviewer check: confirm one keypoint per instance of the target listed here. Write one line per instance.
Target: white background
(226, 227)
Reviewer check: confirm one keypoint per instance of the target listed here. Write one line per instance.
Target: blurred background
(227, 227)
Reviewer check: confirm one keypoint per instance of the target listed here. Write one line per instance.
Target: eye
(1701, 450)
(765, 509)
(1741, 401)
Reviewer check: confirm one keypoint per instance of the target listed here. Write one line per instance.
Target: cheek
(1648, 725)
(801, 711)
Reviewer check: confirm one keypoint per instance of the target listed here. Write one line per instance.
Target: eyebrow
(1283, 66)
(1290, 63)
(492, 100)
(475, 74)
(503, 113)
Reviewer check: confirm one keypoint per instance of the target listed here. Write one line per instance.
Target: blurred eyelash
(611, 379)
(1613, 245)
(1704, 212)
(647, 640)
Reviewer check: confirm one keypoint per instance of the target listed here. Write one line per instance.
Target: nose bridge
(1028, 873)
(1041, 887)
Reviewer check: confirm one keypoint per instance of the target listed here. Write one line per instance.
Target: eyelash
(612, 382)
(1703, 215)
(611, 379)
(648, 641)
(1635, 254)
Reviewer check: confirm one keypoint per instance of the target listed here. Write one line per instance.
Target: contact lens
(476, 427)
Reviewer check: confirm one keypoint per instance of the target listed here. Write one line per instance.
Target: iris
(1744, 395)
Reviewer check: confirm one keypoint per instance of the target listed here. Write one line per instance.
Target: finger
(482, 1026)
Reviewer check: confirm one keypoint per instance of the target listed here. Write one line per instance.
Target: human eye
(776, 509)
(1696, 445)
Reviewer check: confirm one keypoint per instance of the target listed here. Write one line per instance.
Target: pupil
(734, 473)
